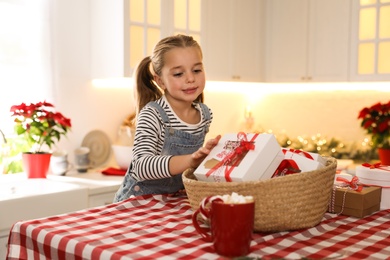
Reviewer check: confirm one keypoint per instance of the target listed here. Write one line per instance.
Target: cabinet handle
(306, 78)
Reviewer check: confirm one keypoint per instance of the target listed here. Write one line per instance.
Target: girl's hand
(179, 163)
(198, 156)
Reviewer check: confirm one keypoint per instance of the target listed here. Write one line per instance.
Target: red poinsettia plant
(40, 124)
(376, 122)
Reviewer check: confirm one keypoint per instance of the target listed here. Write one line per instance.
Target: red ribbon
(306, 154)
(353, 184)
(376, 166)
(244, 146)
(287, 166)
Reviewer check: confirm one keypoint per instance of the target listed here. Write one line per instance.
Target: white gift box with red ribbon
(241, 157)
(314, 156)
(306, 161)
(376, 175)
(343, 175)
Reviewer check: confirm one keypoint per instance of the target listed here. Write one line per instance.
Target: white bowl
(123, 155)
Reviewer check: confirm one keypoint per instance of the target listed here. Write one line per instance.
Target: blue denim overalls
(177, 142)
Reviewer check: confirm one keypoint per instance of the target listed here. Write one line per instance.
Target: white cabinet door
(3, 245)
(101, 199)
(247, 47)
(107, 39)
(307, 40)
(329, 33)
(286, 40)
(231, 40)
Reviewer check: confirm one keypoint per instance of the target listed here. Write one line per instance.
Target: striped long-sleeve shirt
(148, 163)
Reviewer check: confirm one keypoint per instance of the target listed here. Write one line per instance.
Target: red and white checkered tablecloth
(160, 227)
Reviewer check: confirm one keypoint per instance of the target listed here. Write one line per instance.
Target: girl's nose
(190, 77)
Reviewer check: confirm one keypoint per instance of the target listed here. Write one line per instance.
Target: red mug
(231, 225)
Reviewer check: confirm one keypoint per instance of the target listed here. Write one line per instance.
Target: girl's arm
(147, 163)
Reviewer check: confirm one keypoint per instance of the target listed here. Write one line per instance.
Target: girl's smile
(190, 90)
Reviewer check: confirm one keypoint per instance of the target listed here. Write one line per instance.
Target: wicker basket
(284, 203)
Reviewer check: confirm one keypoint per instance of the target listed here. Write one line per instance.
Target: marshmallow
(235, 198)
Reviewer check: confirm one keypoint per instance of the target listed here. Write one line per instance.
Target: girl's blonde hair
(146, 89)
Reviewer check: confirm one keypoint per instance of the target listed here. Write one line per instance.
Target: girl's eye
(178, 74)
(197, 70)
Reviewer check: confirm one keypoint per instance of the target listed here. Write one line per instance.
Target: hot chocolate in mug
(231, 223)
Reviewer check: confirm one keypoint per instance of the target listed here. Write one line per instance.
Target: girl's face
(182, 77)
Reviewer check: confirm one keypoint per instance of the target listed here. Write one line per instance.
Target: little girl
(172, 120)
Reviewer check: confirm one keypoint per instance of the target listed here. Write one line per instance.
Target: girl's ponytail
(146, 89)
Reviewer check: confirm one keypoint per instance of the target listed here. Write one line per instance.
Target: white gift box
(376, 177)
(314, 156)
(304, 164)
(344, 175)
(257, 164)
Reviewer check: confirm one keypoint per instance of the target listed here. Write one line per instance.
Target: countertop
(93, 180)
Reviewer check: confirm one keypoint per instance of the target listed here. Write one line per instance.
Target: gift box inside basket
(376, 175)
(305, 161)
(241, 157)
(289, 202)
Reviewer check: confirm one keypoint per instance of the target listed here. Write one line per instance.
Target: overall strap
(162, 112)
(206, 111)
(207, 116)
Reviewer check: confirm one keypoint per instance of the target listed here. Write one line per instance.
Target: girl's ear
(159, 81)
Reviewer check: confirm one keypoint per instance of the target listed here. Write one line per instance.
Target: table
(160, 227)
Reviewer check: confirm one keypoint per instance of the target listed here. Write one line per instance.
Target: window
(374, 37)
(25, 56)
(150, 20)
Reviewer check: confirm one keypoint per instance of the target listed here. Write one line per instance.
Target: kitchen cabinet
(22, 199)
(307, 40)
(232, 40)
(3, 244)
(96, 200)
(370, 41)
(108, 39)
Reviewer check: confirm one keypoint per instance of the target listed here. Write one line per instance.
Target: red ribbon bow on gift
(244, 146)
(353, 184)
(286, 166)
(376, 166)
(306, 154)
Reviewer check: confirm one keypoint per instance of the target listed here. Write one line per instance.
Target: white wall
(331, 114)
(88, 107)
(286, 108)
